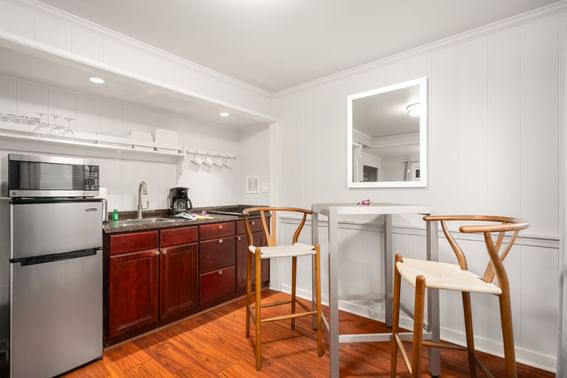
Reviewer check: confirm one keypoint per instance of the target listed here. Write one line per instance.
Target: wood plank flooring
(213, 345)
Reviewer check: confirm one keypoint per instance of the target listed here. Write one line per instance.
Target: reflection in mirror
(387, 136)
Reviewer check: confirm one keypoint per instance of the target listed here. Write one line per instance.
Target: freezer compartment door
(48, 228)
(56, 315)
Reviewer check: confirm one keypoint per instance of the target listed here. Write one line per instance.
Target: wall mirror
(387, 136)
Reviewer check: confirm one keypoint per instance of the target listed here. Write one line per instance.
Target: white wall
(493, 149)
(119, 172)
(255, 161)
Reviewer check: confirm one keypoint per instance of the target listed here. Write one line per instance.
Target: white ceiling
(277, 44)
(385, 114)
(48, 69)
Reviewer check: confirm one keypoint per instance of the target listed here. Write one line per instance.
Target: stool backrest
(490, 224)
(271, 232)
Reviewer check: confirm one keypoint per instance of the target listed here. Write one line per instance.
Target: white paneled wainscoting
(532, 268)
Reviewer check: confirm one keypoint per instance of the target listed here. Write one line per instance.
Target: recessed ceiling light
(96, 80)
(414, 110)
(224, 114)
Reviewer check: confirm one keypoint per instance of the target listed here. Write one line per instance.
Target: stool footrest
(403, 352)
(432, 344)
(483, 368)
(270, 304)
(290, 316)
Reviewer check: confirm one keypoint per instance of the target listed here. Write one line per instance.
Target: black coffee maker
(179, 200)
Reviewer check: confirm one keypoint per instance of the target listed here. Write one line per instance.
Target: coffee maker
(179, 200)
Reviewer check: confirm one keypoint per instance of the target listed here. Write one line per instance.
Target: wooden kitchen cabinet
(154, 277)
(241, 256)
(132, 291)
(178, 280)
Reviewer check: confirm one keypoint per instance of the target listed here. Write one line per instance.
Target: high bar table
(334, 211)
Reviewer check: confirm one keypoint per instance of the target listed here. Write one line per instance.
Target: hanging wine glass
(68, 132)
(55, 130)
(42, 127)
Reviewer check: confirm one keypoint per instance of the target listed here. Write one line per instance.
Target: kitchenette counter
(159, 270)
(123, 226)
(128, 223)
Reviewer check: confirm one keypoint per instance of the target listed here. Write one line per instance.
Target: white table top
(377, 208)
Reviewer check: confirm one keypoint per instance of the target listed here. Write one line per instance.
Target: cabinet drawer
(216, 230)
(255, 225)
(217, 253)
(132, 242)
(216, 285)
(175, 236)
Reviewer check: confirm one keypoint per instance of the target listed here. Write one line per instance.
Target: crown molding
(506, 23)
(153, 49)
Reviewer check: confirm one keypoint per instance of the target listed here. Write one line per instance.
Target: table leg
(433, 301)
(314, 240)
(333, 294)
(388, 270)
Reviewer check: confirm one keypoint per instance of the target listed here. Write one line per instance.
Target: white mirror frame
(422, 82)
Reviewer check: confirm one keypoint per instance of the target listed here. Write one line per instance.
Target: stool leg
(418, 325)
(248, 291)
(469, 332)
(293, 287)
(258, 267)
(320, 346)
(508, 334)
(396, 317)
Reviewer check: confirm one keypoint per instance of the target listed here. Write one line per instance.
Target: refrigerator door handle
(34, 260)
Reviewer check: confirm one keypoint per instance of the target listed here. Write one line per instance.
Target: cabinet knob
(220, 272)
(221, 241)
(239, 238)
(220, 226)
(253, 223)
(157, 253)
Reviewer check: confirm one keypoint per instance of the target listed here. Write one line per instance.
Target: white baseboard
(493, 347)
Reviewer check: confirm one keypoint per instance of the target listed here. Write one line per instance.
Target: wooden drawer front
(216, 230)
(215, 254)
(216, 285)
(178, 236)
(132, 242)
(255, 226)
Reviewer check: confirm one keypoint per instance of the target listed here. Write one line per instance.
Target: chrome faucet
(142, 189)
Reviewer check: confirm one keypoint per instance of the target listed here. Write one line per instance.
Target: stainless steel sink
(130, 222)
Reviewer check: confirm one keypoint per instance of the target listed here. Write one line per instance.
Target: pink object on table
(365, 202)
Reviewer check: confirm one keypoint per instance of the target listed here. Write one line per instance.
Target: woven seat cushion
(446, 276)
(297, 249)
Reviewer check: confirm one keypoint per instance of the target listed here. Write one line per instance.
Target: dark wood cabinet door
(133, 291)
(241, 256)
(178, 280)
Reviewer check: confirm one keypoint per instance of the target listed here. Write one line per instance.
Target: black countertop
(119, 226)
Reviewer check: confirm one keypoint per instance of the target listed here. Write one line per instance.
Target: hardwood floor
(212, 344)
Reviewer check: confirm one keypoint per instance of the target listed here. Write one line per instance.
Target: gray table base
(332, 324)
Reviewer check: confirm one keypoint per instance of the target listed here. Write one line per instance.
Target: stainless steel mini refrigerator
(55, 285)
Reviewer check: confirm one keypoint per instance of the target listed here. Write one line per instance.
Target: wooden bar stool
(292, 250)
(423, 274)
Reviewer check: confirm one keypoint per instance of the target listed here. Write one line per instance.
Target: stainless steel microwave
(49, 176)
